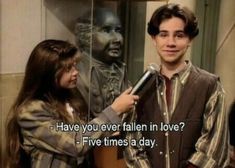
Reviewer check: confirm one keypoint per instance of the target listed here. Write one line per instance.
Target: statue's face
(107, 37)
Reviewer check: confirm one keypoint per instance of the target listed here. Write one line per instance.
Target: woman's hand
(124, 102)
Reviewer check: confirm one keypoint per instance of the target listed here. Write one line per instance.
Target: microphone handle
(140, 82)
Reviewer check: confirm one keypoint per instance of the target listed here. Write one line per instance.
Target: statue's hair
(83, 35)
(85, 25)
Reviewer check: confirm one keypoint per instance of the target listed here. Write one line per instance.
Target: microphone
(151, 69)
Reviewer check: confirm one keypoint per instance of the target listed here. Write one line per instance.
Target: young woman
(46, 100)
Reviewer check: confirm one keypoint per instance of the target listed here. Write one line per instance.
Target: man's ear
(190, 42)
(153, 39)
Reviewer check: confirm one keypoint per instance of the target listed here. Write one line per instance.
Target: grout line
(225, 38)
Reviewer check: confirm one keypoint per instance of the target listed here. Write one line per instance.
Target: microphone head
(153, 68)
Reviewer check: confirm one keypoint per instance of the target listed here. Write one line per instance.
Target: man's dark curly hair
(173, 10)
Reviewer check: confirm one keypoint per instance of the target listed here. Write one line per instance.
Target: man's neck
(170, 69)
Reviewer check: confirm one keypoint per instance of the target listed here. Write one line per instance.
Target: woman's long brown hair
(46, 64)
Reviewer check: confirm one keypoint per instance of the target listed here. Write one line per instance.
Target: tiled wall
(9, 88)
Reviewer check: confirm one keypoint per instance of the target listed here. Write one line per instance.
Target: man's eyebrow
(164, 31)
(179, 31)
(168, 31)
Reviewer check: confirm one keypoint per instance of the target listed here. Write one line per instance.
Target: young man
(180, 93)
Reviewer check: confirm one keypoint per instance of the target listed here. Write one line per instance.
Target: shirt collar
(183, 74)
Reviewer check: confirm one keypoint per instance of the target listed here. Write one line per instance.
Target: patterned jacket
(198, 103)
(54, 144)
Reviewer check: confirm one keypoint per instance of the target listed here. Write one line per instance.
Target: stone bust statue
(102, 74)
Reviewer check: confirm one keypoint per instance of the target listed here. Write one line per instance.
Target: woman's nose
(76, 72)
